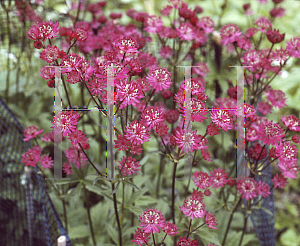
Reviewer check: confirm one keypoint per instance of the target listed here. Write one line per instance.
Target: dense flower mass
(159, 78)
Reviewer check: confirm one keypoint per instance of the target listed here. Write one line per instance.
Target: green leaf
(135, 209)
(75, 192)
(79, 231)
(131, 185)
(144, 160)
(115, 190)
(112, 233)
(290, 238)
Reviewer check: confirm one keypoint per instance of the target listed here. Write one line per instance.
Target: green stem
(230, 220)
(153, 239)
(117, 214)
(89, 215)
(244, 230)
(173, 192)
(65, 214)
(187, 236)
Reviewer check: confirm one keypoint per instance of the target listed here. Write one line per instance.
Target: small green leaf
(131, 185)
(115, 190)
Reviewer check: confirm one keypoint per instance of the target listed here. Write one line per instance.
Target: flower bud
(274, 36)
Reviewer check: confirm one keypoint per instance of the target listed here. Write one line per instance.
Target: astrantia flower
(77, 137)
(286, 152)
(218, 178)
(166, 51)
(264, 107)
(130, 167)
(292, 122)
(140, 237)
(152, 116)
(128, 92)
(201, 69)
(161, 129)
(159, 78)
(274, 36)
(67, 168)
(293, 47)
(185, 31)
(187, 141)
(65, 122)
(222, 119)
(76, 156)
(289, 169)
(193, 208)
(269, 132)
(48, 30)
(251, 58)
(170, 229)
(296, 138)
(126, 44)
(280, 55)
(201, 179)
(207, 24)
(32, 156)
(249, 110)
(153, 24)
(31, 132)
(263, 23)
(50, 54)
(229, 33)
(46, 161)
(47, 72)
(96, 86)
(211, 221)
(277, 12)
(247, 188)
(137, 132)
(279, 181)
(74, 77)
(176, 3)
(152, 221)
(212, 130)
(263, 189)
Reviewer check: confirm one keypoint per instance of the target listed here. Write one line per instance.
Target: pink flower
(152, 116)
(289, 169)
(130, 167)
(229, 33)
(211, 221)
(161, 129)
(126, 44)
(201, 179)
(263, 189)
(153, 24)
(286, 152)
(66, 121)
(74, 77)
(152, 220)
(202, 70)
(248, 188)
(269, 132)
(47, 72)
(280, 55)
(212, 130)
(46, 161)
(186, 31)
(166, 51)
(293, 47)
(170, 229)
(277, 12)
(141, 237)
(166, 11)
(96, 86)
(193, 208)
(128, 92)
(50, 54)
(187, 141)
(32, 156)
(251, 58)
(296, 138)
(76, 156)
(264, 107)
(31, 132)
(80, 34)
(137, 132)
(67, 168)
(218, 178)
(263, 24)
(222, 119)
(207, 24)
(77, 137)
(159, 78)
(292, 122)
(176, 3)
(279, 181)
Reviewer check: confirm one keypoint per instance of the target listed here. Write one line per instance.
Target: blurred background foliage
(28, 95)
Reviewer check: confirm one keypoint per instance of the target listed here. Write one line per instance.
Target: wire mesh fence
(27, 214)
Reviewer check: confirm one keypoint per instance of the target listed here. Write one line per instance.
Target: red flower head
(274, 36)
(31, 132)
(152, 220)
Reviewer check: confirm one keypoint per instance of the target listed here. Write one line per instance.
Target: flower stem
(153, 239)
(173, 192)
(117, 214)
(229, 222)
(244, 230)
(89, 215)
(65, 214)
(187, 236)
